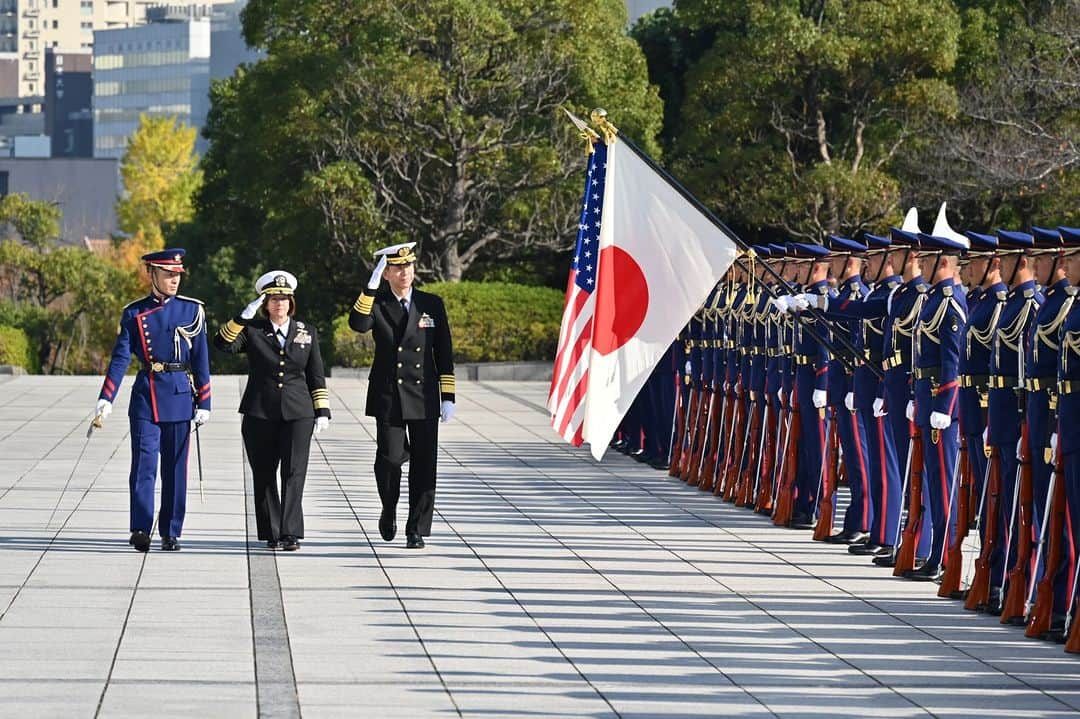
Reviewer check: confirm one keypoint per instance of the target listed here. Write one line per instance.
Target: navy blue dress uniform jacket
(284, 383)
(160, 333)
(414, 357)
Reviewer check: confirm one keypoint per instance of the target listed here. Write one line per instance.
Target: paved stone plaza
(551, 586)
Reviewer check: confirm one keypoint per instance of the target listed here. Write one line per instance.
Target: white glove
(879, 407)
(781, 302)
(202, 416)
(253, 307)
(819, 398)
(446, 410)
(986, 438)
(376, 274)
(103, 408)
(800, 303)
(1019, 444)
(849, 401)
(321, 423)
(909, 411)
(1053, 448)
(940, 420)
(688, 366)
(814, 300)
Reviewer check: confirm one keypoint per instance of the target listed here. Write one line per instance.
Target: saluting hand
(253, 307)
(376, 274)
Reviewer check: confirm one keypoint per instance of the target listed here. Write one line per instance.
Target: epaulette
(892, 284)
(133, 302)
(1029, 293)
(1001, 295)
(921, 287)
(1071, 290)
(947, 291)
(190, 299)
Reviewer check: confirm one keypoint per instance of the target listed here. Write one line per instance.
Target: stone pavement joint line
(551, 586)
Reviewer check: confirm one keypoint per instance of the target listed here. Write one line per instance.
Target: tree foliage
(435, 121)
(160, 175)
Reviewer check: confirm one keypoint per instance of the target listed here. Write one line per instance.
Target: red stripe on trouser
(1072, 554)
(865, 477)
(944, 489)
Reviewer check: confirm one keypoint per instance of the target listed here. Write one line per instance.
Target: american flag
(570, 377)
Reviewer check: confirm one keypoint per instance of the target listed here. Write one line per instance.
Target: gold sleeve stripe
(230, 331)
(321, 404)
(363, 304)
(447, 382)
(317, 393)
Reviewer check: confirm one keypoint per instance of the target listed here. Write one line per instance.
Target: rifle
(1012, 609)
(688, 436)
(770, 449)
(827, 482)
(679, 432)
(1040, 615)
(699, 445)
(979, 591)
(732, 456)
(716, 419)
(781, 513)
(744, 495)
(905, 555)
(1072, 628)
(950, 580)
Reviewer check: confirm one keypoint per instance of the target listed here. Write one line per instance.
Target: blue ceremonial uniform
(168, 338)
(1068, 431)
(811, 373)
(937, 388)
(984, 310)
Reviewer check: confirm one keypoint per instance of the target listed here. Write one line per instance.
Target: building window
(87, 26)
(87, 7)
(31, 88)
(56, 3)
(55, 24)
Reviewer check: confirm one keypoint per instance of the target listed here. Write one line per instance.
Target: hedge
(490, 321)
(15, 349)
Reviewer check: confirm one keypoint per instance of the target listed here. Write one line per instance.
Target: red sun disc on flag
(622, 299)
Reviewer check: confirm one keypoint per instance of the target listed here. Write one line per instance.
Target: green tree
(792, 119)
(160, 175)
(436, 121)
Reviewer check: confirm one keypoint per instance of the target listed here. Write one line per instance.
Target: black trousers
(415, 442)
(270, 444)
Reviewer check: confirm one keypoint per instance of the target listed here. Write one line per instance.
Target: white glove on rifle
(819, 398)
(909, 411)
(1019, 446)
(688, 366)
(376, 274)
(799, 303)
(820, 302)
(940, 420)
(1053, 448)
(321, 423)
(202, 416)
(446, 410)
(849, 401)
(253, 307)
(879, 407)
(103, 408)
(781, 302)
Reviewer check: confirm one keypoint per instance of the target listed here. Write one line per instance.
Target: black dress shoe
(802, 521)
(848, 538)
(387, 525)
(140, 540)
(925, 573)
(272, 544)
(170, 544)
(864, 549)
(659, 463)
(993, 604)
(414, 541)
(289, 544)
(885, 560)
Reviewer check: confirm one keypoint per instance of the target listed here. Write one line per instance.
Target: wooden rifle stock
(698, 446)
(785, 493)
(1042, 612)
(744, 494)
(680, 434)
(905, 555)
(726, 478)
(716, 424)
(691, 426)
(979, 591)
(954, 558)
(1012, 609)
(823, 528)
(763, 501)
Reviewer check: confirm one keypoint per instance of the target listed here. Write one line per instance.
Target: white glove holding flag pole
(202, 416)
(879, 407)
(376, 274)
(940, 420)
(321, 423)
(909, 411)
(819, 398)
(103, 409)
(446, 410)
(253, 307)
(849, 401)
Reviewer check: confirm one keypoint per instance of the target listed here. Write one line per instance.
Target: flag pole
(599, 118)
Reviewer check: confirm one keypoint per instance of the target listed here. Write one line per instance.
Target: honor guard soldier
(1040, 378)
(411, 386)
(1004, 411)
(1066, 441)
(285, 400)
(938, 336)
(166, 333)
